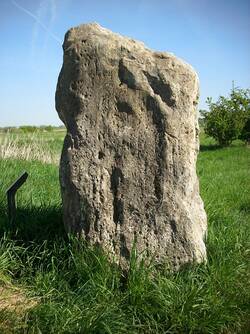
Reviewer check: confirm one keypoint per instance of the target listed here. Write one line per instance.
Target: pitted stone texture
(128, 166)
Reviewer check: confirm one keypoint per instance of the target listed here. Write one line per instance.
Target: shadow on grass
(214, 147)
(33, 224)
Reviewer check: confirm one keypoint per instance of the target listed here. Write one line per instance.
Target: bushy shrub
(28, 128)
(8, 129)
(245, 133)
(228, 118)
(49, 128)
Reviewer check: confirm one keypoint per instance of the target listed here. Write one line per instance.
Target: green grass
(74, 289)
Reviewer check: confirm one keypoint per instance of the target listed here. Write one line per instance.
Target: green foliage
(228, 118)
(201, 118)
(77, 290)
(245, 133)
(48, 128)
(31, 128)
(28, 128)
(7, 129)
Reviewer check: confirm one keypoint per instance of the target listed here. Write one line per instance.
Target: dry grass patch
(13, 298)
(27, 147)
(14, 305)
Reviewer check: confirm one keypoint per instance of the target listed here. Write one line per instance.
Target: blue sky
(213, 36)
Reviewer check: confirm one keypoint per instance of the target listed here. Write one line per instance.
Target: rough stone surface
(128, 166)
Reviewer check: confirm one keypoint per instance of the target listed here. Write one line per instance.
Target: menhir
(128, 167)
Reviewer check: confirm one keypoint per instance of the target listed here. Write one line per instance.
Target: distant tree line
(228, 118)
(31, 128)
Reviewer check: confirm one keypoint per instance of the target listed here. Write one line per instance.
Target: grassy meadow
(52, 283)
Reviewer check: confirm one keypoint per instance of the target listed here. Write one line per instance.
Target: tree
(245, 105)
(245, 134)
(227, 118)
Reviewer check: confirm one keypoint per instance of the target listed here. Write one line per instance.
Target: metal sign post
(11, 192)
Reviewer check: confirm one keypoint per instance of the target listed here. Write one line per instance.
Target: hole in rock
(124, 107)
(117, 179)
(101, 155)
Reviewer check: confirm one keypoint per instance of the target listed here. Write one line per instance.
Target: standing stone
(128, 166)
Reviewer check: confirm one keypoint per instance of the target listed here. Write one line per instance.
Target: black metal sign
(11, 192)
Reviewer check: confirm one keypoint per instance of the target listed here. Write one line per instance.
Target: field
(52, 283)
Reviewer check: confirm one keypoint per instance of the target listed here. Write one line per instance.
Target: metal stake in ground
(11, 192)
